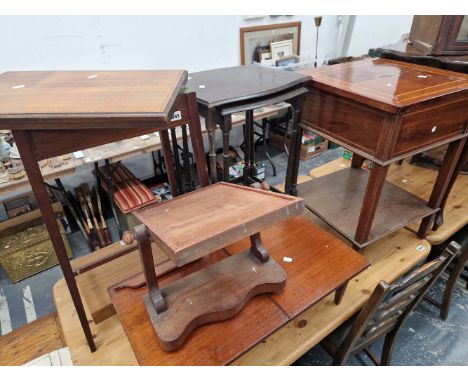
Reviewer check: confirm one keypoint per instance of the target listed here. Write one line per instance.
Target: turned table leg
(371, 200)
(227, 126)
(249, 154)
(294, 153)
(210, 123)
(441, 186)
(339, 293)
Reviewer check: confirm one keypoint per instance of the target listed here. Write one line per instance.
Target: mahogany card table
(382, 110)
(58, 112)
(312, 273)
(223, 92)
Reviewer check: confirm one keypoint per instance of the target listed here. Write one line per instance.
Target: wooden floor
(30, 341)
(390, 257)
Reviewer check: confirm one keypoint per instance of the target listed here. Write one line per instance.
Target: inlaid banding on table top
(394, 83)
(53, 94)
(206, 220)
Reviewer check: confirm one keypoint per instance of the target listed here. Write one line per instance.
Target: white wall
(155, 42)
(143, 42)
(377, 31)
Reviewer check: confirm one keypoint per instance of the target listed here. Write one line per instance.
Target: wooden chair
(458, 265)
(385, 312)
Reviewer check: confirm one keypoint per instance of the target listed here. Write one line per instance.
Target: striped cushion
(129, 193)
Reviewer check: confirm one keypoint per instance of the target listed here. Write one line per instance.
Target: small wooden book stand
(195, 225)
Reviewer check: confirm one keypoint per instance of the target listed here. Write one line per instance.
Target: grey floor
(424, 340)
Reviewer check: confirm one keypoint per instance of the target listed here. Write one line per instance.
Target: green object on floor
(347, 154)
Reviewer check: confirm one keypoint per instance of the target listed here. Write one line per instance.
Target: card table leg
(197, 142)
(441, 186)
(371, 200)
(36, 180)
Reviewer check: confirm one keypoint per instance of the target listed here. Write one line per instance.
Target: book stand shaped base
(220, 215)
(212, 294)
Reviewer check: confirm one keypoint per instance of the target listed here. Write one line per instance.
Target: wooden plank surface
(113, 347)
(205, 220)
(93, 284)
(32, 340)
(419, 181)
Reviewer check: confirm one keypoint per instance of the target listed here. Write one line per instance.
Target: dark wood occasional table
(382, 110)
(313, 272)
(55, 113)
(223, 92)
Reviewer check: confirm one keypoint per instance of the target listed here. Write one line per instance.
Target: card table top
(85, 95)
(387, 84)
(241, 83)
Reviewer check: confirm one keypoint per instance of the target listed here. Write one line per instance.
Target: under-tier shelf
(337, 198)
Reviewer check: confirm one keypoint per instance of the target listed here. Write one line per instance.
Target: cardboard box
(309, 148)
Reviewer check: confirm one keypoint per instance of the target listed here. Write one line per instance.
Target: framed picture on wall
(264, 35)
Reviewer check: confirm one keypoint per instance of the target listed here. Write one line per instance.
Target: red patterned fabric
(129, 193)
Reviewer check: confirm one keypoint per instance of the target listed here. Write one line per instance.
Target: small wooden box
(307, 151)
